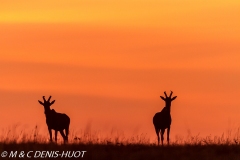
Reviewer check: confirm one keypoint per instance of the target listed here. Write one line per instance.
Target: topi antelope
(55, 121)
(162, 120)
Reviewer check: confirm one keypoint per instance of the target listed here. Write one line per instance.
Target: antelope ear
(162, 98)
(52, 102)
(174, 98)
(40, 102)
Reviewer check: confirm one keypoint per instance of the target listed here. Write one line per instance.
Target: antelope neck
(168, 108)
(47, 111)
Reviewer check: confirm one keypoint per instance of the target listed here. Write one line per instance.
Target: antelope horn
(165, 94)
(49, 98)
(44, 99)
(171, 94)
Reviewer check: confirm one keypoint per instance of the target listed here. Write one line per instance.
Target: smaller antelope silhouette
(55, 121)
(162, 120)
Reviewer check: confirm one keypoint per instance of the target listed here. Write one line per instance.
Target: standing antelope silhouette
(162, 120)
(55, 121)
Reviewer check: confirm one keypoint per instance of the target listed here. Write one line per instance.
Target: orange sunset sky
(106, 62)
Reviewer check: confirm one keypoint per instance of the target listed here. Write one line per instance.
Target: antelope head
(168, 99)
(47, 103)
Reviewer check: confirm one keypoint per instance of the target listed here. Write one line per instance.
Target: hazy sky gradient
(107, 62)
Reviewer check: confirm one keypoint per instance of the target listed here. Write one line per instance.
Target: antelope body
(56, 121)
(162, 120)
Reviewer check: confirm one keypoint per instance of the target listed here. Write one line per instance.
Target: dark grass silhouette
(119, 147)
(56, 121)
(162, 120)
(131, 151)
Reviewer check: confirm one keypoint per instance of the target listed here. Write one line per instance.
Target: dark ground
(125, 152)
